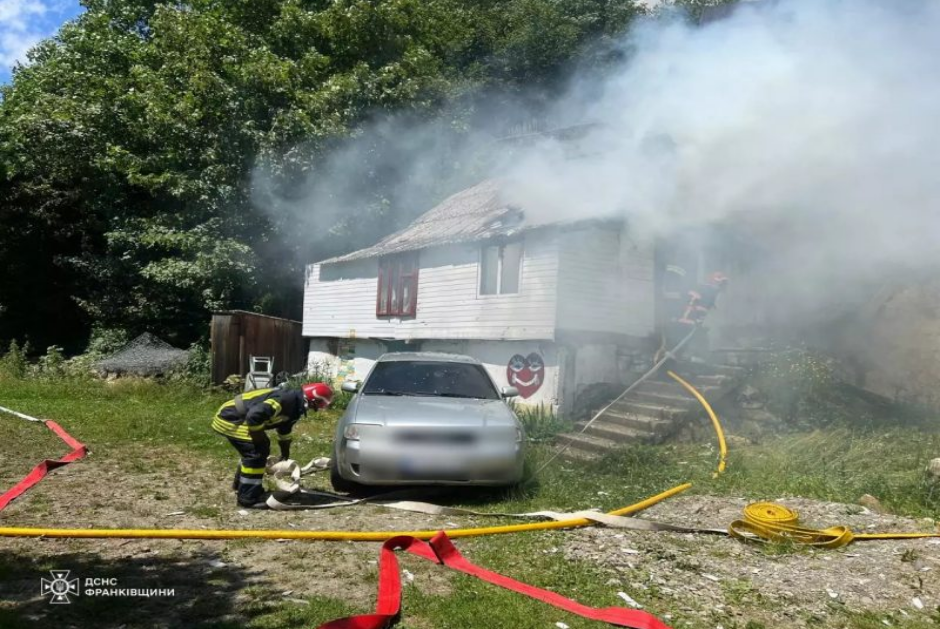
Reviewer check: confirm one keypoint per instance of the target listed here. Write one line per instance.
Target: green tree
(128, 144)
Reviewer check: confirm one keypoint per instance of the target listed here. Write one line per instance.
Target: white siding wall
(339, 299)
(605, 283)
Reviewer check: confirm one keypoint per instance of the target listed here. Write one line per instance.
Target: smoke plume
(810, 124)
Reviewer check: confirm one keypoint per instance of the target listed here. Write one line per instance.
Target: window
(500, 269)
(398, 286)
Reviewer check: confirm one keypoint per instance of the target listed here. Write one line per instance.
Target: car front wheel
(340, 484)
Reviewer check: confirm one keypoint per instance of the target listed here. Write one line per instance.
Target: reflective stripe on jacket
(261, 409)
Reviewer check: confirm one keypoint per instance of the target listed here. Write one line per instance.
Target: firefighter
(701, 300)
(245, 420)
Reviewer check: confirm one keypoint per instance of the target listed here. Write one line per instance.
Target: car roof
(438, 357)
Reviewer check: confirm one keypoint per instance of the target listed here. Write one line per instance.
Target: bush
(341, 400)
(197, 371)
(15, 364)
(798, 385)
(106, 341)
(51, 364)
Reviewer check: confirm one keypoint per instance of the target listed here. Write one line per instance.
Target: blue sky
(25, 22)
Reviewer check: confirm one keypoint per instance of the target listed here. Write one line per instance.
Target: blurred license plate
(425, 465)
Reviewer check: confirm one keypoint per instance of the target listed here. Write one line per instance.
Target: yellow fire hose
(358, 536)
(722, 446)
(770, 522)
(370, 536)
(762, 522)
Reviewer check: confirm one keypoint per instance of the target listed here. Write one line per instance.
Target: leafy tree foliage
(128, 144)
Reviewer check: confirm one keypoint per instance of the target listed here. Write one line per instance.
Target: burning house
(549, 307)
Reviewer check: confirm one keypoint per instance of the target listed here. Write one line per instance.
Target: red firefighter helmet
(319, 395)
(717, 279)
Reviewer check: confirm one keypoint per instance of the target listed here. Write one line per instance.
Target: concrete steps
(590, 443)
(675, 389)
(650, 409)
(618, 432)
(645, 423)
(652, 412)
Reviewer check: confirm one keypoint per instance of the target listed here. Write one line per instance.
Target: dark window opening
(398, 286)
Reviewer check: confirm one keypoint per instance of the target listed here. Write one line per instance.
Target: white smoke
(815, 123)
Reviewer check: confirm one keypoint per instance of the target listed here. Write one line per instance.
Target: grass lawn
(125, 420)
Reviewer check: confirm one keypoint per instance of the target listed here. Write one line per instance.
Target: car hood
(423, 411)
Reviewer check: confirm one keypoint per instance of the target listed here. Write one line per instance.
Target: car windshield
(430, 378)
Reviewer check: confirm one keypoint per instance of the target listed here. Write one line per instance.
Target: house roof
(474, 214)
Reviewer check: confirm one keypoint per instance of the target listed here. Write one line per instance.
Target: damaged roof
(474, 214)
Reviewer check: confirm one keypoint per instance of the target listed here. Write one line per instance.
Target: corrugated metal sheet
(238, 335)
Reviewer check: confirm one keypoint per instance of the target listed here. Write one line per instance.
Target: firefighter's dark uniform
(702, 300)
(681, 322)
(262, 409)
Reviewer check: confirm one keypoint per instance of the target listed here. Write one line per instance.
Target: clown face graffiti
(526, 373)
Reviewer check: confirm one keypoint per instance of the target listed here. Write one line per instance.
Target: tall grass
(540, 422)
(841, 464)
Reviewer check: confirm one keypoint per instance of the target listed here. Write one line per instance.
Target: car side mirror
(350, 387)
(508, 392)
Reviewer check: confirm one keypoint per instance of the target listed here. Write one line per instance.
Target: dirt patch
(153, 488)
(713, 576)
(708, 580)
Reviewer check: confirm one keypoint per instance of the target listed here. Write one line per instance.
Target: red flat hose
(40, 471)
(440, 550)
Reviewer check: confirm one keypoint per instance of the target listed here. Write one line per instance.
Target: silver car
(423, 418)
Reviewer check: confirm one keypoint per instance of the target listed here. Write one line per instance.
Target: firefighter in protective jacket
(245, 421)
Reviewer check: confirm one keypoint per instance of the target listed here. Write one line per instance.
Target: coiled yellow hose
(770, 522)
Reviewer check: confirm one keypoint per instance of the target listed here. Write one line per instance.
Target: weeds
(840, 464)
(793, 382)
(540, 423)
(197, 369)
(15, 364)
(52, 364)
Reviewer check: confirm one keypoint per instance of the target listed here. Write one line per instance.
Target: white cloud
(22, 24)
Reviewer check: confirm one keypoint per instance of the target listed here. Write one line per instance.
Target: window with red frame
(398, 286)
